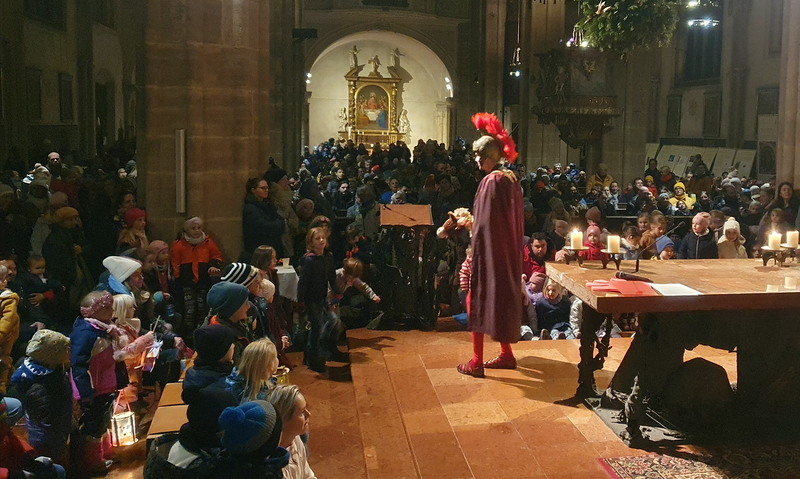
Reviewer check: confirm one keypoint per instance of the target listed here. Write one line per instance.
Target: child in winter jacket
(94, 369)
(731, 243)
(214, 361)
(44, 382)
(40, 292)
(699, 243)
(229, 305)
(594, 245)
(9, 327)
(317, 274)
(195, 259)
(130, 344)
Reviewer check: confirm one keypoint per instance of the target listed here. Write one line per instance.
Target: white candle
(613, 244)
(775, 241)
(792, 238)
(576, 240)
(790, 282)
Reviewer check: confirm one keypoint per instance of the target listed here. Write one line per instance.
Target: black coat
(261, 225)
(698, 247)
(58, 250)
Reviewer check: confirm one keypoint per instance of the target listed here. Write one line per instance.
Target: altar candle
(576, 240)
(774, 241)
(790, 282)
(613, 244)
(792, 238)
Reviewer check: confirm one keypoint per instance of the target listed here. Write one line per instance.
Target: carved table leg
(592, 320)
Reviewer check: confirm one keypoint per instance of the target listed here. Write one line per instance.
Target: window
(711, 113)
(775, 27)
(33, 93)
(67, 112)
(674, 115)
(46, 11)
(103, 12)
(699, 58)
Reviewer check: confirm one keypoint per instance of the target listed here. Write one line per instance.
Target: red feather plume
(490, 125)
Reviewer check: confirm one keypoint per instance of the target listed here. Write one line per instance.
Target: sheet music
(674, 289)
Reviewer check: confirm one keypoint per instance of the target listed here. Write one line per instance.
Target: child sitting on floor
(552, 313)
(665, 248)
(731, 244)
(229, 306)
(252, 379)
(214, 360)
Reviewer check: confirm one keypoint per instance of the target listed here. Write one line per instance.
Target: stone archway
(423, 91)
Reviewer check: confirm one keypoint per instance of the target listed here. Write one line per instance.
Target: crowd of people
(75, 244)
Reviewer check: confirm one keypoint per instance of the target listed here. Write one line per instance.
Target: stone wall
(207, 71)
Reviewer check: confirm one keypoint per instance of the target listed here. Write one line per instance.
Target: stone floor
(407, 413)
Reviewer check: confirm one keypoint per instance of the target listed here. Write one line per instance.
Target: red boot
(94, 462)
(108, 446)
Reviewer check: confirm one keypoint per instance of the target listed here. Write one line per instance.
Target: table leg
(592, 320)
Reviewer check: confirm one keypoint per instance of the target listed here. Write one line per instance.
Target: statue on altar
(354, 56)
(403, 125)
(396, 57)
(376, 63)
(343, 119)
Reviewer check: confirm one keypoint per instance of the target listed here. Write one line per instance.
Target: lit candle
(790, 282)
(792, 238)
(775, 241)
(613, 244)
(576, 240)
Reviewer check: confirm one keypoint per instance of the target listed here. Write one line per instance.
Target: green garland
(622, 26)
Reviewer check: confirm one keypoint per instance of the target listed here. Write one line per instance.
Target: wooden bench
(167, 420)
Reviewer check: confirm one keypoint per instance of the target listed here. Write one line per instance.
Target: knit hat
(554, 203)
(41, 177)
(537, 281)
(663, 196)
(592, 230)
(132, 215)
(663, 242)
(649, 178)
(305, 188)
(249, 427)
(225, 298)
(594, 214)
(121, 267)
(59, 199)
(679, 185)
(205, 406)
(731, 224)
(240, 273)
(157, 246)
(65, 213)
(194, 220)
(267, 289)
(213, 342)
(274, 174)
(48, 348)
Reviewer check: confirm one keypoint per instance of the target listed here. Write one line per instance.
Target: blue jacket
(92, 358)
(202, 375)
(261, 225)
(47, 398)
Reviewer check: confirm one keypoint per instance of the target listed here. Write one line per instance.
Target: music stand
(413, 261)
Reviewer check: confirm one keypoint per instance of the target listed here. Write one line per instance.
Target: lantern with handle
(123, 424)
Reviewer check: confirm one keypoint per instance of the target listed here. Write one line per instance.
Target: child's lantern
(123, 426)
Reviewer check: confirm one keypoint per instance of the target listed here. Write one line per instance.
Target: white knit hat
(121, 267)
(41, 177)
(267, 289)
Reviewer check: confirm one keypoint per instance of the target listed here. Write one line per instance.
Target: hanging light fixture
(703, 13)
(515, 66)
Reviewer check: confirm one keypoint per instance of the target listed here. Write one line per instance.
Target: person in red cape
(495, 298)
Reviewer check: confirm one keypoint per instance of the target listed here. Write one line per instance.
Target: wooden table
(744, 306)
(736, 284)
(167, 419)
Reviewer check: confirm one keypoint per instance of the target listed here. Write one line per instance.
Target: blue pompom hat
(250, 427)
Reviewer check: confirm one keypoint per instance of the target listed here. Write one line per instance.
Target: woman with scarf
(281, 195)
(261, 223)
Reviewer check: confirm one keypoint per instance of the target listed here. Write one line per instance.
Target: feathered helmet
(495, 138)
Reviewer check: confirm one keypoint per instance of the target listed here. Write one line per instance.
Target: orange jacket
(191, 262)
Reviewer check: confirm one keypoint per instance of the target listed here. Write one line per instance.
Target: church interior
(666, 131)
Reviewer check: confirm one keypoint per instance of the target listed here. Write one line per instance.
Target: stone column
(208, 73)
(494, 69)
(14, 124)
(788, 124)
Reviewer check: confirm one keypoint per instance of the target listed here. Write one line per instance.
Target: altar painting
(372, 108)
